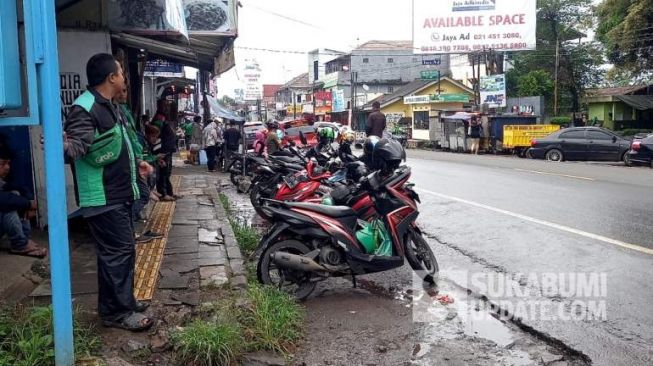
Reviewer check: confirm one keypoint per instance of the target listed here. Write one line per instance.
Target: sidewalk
(200, 257)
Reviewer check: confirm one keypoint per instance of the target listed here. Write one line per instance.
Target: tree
(626, 31)
(560, 24)
(536, 82)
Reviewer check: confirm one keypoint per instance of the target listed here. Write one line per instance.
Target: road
(521, 220)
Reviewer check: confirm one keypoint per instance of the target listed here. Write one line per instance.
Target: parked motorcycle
(310, 243)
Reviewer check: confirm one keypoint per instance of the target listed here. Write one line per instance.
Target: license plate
(291, 181)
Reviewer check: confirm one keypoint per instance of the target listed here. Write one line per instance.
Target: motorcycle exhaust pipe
(296, 262)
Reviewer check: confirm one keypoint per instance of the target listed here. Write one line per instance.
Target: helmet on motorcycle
(348, 136)
(387, 155)
(325, 132)
(368, 145)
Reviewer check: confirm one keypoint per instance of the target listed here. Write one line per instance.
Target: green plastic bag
(375, 238)
(382, 238)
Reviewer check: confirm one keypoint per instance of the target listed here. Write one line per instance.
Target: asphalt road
(517, 221)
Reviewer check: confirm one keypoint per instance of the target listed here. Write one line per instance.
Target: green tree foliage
(226, 100)
(560, 22)
(536, 82)
(625, 28)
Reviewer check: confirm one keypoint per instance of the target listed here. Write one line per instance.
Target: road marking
(568, 229)
(557, 174)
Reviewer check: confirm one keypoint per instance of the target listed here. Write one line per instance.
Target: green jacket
(110, 184)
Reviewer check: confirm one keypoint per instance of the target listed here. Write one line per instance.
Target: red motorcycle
(310, 243)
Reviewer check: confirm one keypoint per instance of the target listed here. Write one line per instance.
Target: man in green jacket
(106, 173)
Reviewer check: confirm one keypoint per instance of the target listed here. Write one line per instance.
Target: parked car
(580, 143)
(641, 151)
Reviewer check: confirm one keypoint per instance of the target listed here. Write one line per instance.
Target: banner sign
(163, 68)
(493, 90)
(436, 98)
(430, 74)
(253, 85)
(431, 61)
(338, 100)
(461, 26)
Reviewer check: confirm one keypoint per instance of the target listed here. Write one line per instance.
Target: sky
(305, 25)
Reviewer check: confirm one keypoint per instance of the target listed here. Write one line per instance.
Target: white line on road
(558, 174)
(568, 229)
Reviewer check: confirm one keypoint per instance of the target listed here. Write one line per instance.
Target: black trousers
(116, 256)
(211, 152)
(163, 183)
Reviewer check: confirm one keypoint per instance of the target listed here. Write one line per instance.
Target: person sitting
(15, 212)
(259, 143)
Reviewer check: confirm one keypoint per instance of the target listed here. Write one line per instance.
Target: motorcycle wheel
(255, 196)
(296, 283)
(421, 257)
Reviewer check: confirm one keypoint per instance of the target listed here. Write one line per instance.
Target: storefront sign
(211, 17)
(417, 99)
(431, 61)
(449, 98)
(493, 90)
(461, 26)
(393, 117)
(163, 68)
(148, 16)
(430, 74)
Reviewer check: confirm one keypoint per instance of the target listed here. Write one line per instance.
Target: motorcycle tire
(421, 258)
(301, 279)
(255, 196)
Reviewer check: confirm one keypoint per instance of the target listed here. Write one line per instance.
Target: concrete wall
(405, 67)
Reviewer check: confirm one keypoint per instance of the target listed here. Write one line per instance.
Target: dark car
(641, 151)
(580, 143)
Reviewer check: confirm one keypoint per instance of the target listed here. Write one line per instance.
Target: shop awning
(222, 111)
(460, 115)
(641, 102)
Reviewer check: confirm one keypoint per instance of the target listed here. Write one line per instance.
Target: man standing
(15, 212)
(232, 139)
(106, 169)
(210, 144)
(375, 122)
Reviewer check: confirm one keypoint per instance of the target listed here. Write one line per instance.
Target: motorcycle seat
(331, 211)
(285, 159)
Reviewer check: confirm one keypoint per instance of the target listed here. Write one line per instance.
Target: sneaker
(152, 234)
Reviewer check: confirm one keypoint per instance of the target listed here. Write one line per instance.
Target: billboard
(253, 84)
(338, 100)
(462, 26)
(493, 90)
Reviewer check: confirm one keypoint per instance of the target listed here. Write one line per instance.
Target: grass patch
(206, 343)
(273, 322)
(27, 337)
(247, 237)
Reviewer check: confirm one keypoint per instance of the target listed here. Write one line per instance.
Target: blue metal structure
(44, 106)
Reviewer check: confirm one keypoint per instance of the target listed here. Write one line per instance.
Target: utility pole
(555, 83)
(294, 106)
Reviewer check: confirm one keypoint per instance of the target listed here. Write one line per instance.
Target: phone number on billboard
(476, 47)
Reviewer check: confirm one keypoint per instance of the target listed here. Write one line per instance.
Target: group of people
(219, 143)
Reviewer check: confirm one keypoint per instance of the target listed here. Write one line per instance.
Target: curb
(238, 278)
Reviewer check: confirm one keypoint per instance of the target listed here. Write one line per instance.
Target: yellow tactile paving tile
(150, 256)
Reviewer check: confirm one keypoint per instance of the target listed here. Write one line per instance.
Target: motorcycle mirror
(302, 138)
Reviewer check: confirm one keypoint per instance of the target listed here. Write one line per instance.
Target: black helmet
(368, 145)
(387, 155)
(272, 124)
